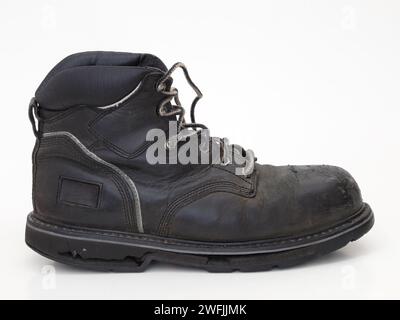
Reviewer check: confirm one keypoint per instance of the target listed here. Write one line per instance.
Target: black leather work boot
(102, 199)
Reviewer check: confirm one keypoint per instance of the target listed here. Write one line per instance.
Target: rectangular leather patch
(79, 193)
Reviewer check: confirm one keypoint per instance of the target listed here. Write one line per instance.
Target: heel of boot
(83, 251)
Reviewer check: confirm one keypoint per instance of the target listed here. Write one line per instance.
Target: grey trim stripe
(138, 212)
(116, 104)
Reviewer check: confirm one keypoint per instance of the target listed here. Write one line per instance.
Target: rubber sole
(125, 252)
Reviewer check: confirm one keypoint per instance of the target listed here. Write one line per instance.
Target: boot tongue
(94, 79)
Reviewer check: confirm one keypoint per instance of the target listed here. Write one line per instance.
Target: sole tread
(119, 256)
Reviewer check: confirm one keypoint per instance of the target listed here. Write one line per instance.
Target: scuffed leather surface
(290, 200)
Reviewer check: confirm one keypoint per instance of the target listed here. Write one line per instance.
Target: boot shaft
(109, 101)
(94, 111)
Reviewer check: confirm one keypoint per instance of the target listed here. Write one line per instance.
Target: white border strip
(116, 104)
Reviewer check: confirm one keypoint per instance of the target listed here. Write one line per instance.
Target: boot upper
(109, 101)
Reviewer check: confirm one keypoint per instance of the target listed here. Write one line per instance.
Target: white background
(307, 82)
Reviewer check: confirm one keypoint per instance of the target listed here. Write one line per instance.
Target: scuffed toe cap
(326, 194)
(348, 188)
(290, 202)
(302, 200)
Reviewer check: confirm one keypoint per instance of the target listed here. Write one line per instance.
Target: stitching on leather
(34, 170)
(66, 113)
(259, 244)
(61, 178)
(190, 174)
(116, 179)
(82, 158)
(125, 204)
(129, 196)
(108, 143)
(240, 177)
(120, 188)
(196, 194)
(143, 147)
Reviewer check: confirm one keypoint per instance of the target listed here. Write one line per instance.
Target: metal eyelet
(160, 86)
